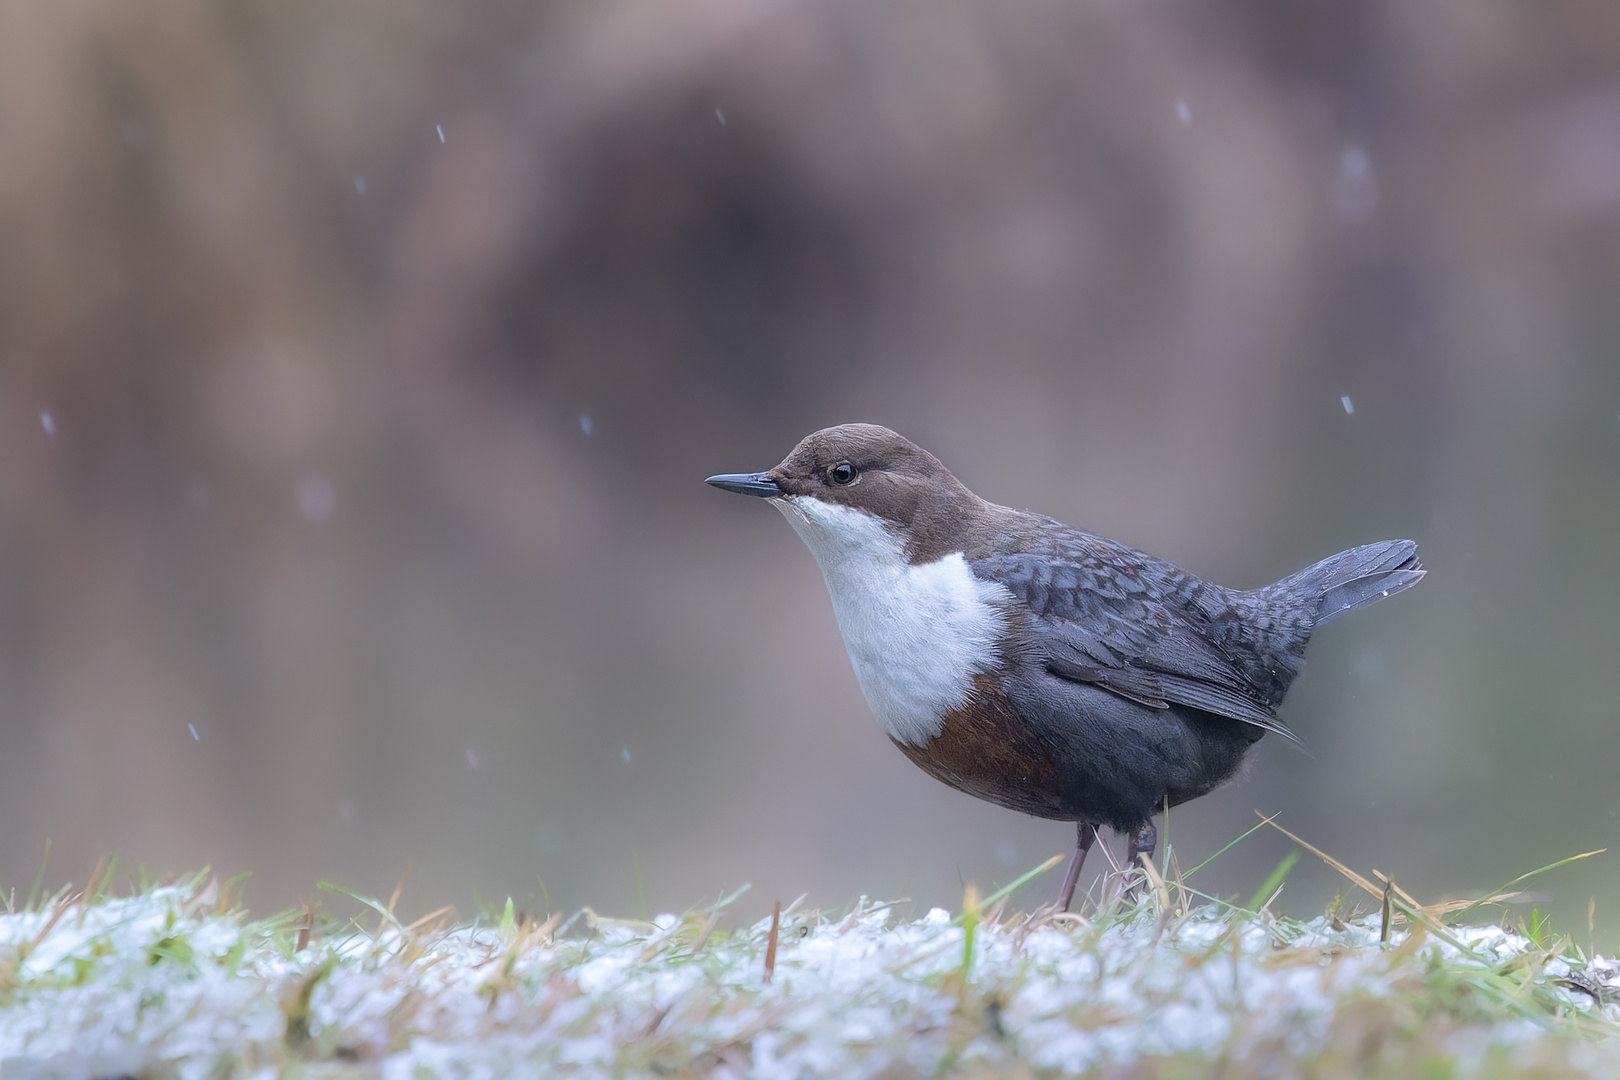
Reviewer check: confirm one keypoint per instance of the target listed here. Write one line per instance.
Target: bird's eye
(842, 473)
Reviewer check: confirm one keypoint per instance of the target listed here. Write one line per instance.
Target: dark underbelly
(1081, 753)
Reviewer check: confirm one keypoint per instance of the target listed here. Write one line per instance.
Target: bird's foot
(1139, 851)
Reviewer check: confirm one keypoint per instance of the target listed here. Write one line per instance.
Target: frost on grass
(171, 983)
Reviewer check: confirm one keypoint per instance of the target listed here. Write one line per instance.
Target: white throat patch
(916, 635)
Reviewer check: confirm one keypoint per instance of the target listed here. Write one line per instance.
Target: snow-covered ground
(163, 984)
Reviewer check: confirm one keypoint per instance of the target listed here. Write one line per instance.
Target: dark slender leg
(1085, 835)
(1143, 841)
(1140, 848)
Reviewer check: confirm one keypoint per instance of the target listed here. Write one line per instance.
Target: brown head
(870, 468)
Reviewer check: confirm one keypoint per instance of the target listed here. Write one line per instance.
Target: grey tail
(1353, 579)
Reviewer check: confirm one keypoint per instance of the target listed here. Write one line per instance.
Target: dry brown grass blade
(1389, 883)
(770, 944)
(1161, 896)
(1360, 881)
(203, 894)
(1071, 917)
(536, 934)
(89, 893)
(546, 928)
(50, 924)
(1049, 915)
(398, 888)
(1408, 907)
(1161, 892)
(1451, 907)
(1173, 880)
(597, 922)
(993, 913)
(1428, 911)
(228, 893)
(95, 879)
(708, 928)
(413, 945)
(445, 912)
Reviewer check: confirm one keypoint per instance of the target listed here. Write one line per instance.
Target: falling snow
(47, 421)
(1349, 406)
(1184, 113)
(315, 497)
(1354, 193)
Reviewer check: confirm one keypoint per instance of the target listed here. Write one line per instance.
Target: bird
(1039, 666)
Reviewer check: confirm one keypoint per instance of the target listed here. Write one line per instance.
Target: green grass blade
(725, 901)
(1521, 878)
(1019, 882)
(357, 898)
(1264, 894)
(1230, 844)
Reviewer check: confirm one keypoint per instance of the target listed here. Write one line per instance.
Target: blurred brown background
(361, 361)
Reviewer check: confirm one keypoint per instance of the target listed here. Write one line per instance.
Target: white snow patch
(163, 980)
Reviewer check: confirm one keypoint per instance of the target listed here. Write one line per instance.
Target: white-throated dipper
(1037, 665)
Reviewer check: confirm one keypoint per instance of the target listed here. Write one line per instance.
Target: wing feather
(1138, 628)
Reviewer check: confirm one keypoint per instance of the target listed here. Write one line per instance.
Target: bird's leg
(1143, 841)
(1085, 834)
(1139, 849)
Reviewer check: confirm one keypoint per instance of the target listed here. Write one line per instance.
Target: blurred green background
(361, 362)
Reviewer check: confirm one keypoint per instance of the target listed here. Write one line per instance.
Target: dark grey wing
(1133, 625)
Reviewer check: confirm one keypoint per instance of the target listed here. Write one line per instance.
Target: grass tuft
(1152, 980)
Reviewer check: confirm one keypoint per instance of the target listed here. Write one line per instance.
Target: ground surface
(171, 982)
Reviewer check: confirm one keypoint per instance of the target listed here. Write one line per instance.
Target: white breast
(916, 635)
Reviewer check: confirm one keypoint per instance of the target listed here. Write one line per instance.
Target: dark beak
(756, 483)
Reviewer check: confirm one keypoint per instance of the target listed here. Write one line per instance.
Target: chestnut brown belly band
(985, 750)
